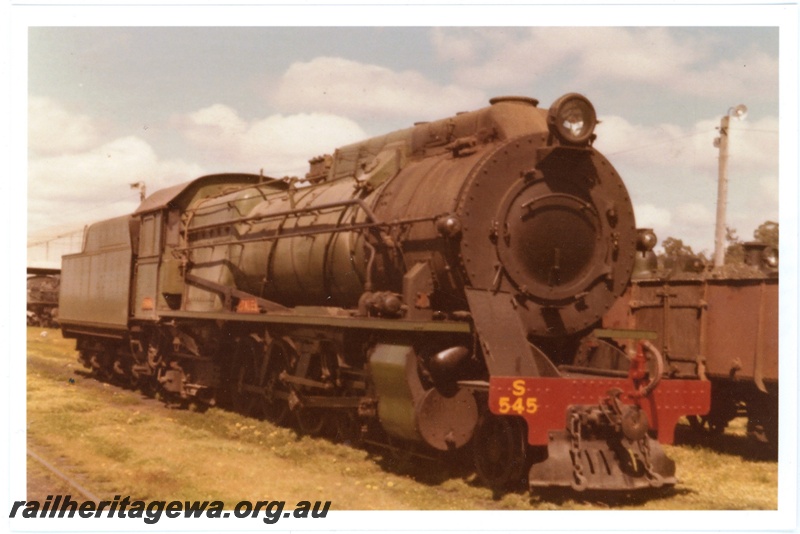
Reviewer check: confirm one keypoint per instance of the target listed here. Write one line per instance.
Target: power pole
(721, 142)
(722, 192)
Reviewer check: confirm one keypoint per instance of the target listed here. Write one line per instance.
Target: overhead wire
(49, 238)
(658, 143)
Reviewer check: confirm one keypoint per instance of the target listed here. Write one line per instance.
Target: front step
(595, 464)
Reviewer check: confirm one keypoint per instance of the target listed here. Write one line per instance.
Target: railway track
(63, 477)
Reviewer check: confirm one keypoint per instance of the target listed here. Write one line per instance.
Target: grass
(121, 443)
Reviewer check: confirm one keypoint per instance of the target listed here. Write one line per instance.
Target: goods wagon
(720, 324)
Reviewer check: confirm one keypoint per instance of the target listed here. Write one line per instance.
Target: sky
(112, 106)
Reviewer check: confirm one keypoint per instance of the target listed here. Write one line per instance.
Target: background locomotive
(433, 286)
(42, 309)
(720, 324)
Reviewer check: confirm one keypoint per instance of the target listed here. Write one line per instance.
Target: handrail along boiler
(433, 287)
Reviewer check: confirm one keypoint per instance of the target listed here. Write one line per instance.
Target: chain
(656, 480)
(574, 429)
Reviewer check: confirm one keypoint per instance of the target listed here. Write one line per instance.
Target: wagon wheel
(275, 405)
(148, 386)
(695, 423)
(310, 421)
(101, 366)
(348, 428)
(714, 426)
(258, 391)
(499, 448)
(245, 387)
(723, 410)
(762, 425)
(123, 374)
(401, 453)
(314, 420)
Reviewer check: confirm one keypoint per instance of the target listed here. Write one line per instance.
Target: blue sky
(108, 106)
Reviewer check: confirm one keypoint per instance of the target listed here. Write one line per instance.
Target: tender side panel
(95, 283)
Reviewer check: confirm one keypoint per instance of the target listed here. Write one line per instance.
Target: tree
(734, 252)
(674, 248)
(677, 254)
(767, 233)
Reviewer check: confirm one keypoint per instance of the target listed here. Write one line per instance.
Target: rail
(61, 475)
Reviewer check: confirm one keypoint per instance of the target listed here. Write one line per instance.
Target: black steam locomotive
(436, 286)
(42, 297)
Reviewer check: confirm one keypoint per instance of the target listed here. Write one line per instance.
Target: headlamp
(572, 119)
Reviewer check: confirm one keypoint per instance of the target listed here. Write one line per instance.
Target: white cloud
(71, 190)
(729, 78)
(660, 161)
(676, 169)
(511, 56)
(650, 55)
(616, 135)
(768, 192)
(90, 180)
(360, 90)
(281, 145)
(605, 55)
(587, 53)
(290, 141)
(756, 202)
(651, 216)
(76, 177)
(753, 146)
(449, 47)
(218, 123)
(694, 213)
(53, 130)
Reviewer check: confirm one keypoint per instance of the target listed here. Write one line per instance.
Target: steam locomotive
(436, 287)
(42, 297)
